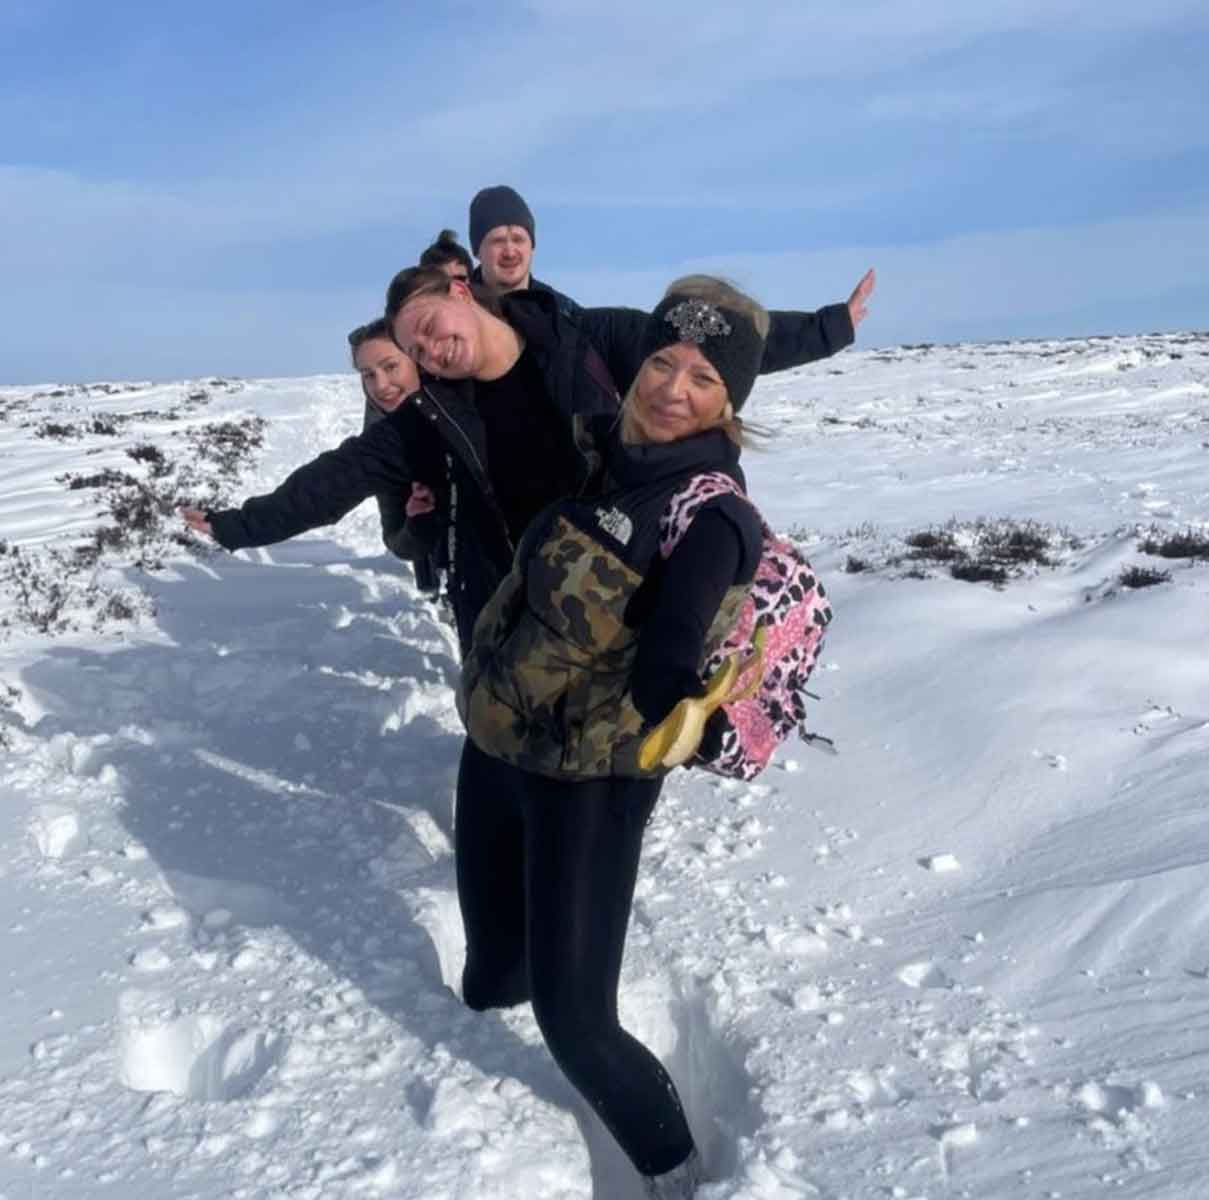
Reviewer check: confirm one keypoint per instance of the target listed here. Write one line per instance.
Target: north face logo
(616, 524)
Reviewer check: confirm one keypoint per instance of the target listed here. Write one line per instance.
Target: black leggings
(546, 873)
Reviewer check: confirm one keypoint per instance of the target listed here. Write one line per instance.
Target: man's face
(505, 255)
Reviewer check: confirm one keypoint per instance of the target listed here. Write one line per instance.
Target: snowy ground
(966, 957)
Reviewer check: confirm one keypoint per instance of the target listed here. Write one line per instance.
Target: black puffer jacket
(437, 438)
(399, 532)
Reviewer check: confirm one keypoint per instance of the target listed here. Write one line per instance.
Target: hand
(421, 500)
(196, 520)
(858, 302)
(658, 693)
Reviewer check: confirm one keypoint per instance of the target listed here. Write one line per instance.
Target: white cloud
(52, 219)
(534, 89)
(834, 41)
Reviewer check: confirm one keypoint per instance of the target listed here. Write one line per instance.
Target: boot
(680, 1183)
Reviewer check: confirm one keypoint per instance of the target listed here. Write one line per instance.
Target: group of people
(528, 448)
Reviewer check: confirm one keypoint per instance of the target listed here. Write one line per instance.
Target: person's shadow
(287, 755)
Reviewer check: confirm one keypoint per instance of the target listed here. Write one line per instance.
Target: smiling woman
(388, 379)
(678, 390)
(451, 328)
(388, 376)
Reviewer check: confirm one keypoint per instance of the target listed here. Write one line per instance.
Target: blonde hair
(721, 292)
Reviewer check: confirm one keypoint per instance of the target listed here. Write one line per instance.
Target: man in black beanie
(500, 218)
(503, 234)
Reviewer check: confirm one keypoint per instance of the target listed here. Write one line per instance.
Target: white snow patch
(56, 831)
(940, 863)
(197, 1057)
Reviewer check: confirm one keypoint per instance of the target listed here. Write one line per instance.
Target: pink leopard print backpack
(790, 605)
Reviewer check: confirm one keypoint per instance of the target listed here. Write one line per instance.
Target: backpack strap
(598, 370)
(687, 501)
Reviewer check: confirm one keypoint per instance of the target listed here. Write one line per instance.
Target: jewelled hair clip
(695, 320)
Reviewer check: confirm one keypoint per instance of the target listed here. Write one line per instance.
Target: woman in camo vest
(591, 640)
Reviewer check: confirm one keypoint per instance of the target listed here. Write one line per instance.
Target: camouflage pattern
(546, 685)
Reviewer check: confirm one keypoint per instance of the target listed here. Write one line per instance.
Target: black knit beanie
(494, 206)
(727, 338)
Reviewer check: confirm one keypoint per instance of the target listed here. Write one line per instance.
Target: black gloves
(656, 693)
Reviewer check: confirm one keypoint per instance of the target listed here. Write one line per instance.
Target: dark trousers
(546, 873)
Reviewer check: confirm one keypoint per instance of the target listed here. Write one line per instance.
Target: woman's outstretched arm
(796, 338)
(320, 492)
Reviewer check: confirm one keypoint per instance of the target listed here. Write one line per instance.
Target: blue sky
(227, 188)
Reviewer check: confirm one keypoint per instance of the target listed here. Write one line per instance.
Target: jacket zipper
(488, 491)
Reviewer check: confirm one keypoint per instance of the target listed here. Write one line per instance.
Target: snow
(965, 956)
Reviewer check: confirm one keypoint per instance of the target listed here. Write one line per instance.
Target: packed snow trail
(963, 958)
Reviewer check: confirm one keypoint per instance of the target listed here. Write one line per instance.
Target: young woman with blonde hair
(596, 634)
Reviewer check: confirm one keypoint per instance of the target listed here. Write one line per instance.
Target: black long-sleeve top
(709, 559)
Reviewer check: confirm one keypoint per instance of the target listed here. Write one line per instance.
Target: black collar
(631, 464)
(534, 315)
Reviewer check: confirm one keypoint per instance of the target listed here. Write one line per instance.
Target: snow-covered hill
(967, 956)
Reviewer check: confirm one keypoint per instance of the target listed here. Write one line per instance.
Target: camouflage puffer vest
(546, 685)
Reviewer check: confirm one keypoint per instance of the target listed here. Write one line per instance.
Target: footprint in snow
(1154, 716)
(436, 912)
(924, 975)
(940, 864)
(951, 1137)
(679, 1026)
(56, 832)
(198, 1057)
(1116, 1103)
(1121, 1117)
(1057, 761)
